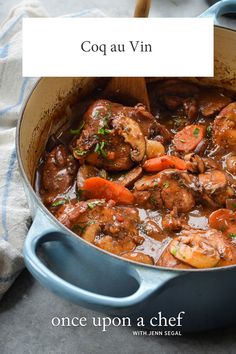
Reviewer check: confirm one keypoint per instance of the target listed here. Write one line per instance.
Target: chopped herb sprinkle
(99, 149)
(181, 183)
(91, 222)
(166, 184)
(58, 202)
(77, 131)
(104, 131)
(79, 152)
(196, 132)
(209, 131)
(92, 205)
(232, 234)
(174, 251)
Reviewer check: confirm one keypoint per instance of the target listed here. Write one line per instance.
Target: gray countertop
(27, 308)
(25, 327)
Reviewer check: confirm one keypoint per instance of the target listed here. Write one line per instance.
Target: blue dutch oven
(91, 277)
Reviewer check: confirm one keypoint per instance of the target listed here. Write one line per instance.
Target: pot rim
(53, 219)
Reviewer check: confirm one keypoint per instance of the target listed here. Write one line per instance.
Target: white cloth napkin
(14, 213)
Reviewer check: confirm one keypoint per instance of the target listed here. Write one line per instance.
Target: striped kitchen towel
(14, 213)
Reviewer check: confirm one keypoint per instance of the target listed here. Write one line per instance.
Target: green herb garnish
(92, 205)
(174, 251)
(77, 131)
(58, 202)
(166, 184)
(99, 149)
(232, 234)
(209, 131)
(80, 152)
(106, 118)
(196, 132)
(104, 131)
(183, 141)
(91, 222)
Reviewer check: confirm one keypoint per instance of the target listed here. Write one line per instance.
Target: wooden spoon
(131, 87)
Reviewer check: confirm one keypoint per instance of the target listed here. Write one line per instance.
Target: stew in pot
(157, 188)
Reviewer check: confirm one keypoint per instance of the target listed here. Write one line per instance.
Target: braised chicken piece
(176, 190)
(202, 100)
(147, 193)
(224, 127)
(211, 102)
(58, 173)
(113, 136)
(158, 187)
(215, 188)
(169, 188)
(176, 88)
(190, 106)
(112, 228)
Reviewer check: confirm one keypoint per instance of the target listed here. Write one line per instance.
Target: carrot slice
(161, 163)
(188, 138)
(96, 187)
(224, 220)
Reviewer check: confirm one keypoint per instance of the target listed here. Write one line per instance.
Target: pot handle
(43, 230)
(222, 7)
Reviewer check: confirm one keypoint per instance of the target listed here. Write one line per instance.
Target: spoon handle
(142, 8)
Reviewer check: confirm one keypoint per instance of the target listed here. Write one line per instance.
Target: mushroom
(130, 177)
(195, 251)
(194, 163)
(132, 134)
